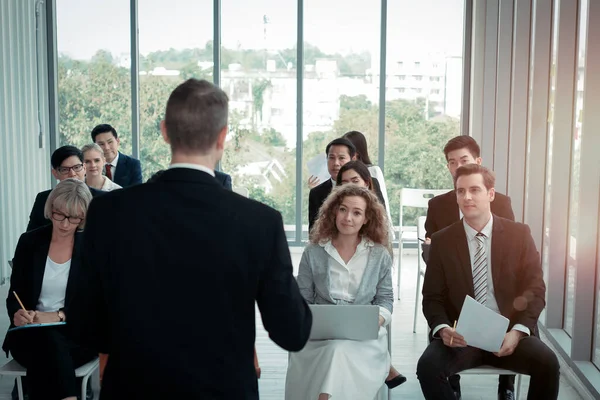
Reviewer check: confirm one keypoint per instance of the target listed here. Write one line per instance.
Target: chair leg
(20, 388)
(84, 382)
(417, 300)
(399, 266)
(518, 391)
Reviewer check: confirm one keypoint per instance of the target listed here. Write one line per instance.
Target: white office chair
(385, 393)
(488, 370)
(420, 267)
(412, 198)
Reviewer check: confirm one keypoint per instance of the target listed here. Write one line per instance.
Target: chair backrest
(241, 190)
(421, 227)
(417, 198)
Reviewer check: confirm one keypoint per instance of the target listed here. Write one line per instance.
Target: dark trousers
(51, 359)
(531, 357)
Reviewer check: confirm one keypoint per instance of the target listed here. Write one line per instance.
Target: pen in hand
(452, 338)
(21, 304)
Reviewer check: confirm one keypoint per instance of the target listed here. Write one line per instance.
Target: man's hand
(510, 343)
(451, 338)
(427, 240)
(313, 181)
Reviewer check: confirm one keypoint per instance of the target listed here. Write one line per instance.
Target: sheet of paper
(481, 327)
(16, 328)
(317, 166)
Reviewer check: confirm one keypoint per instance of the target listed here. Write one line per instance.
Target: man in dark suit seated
(443, 211)
(119, 168)
(495, 261)
(339, 152)
(176, 290)
(67, 162)
(224, 179)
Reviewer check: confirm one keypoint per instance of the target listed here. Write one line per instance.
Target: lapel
(75, 267)
(497, 249)
(39, 263)
(462, 248)
(121, 168)
(453, 212)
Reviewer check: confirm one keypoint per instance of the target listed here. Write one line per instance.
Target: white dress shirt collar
(487, 229)
(193, 166)
(114, 163)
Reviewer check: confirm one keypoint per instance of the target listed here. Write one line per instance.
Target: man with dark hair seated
(495, 261)
(67, 162)
(120, 168)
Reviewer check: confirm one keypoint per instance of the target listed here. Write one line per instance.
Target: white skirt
(344, 369)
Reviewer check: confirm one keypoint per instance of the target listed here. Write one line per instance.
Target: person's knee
(427, 366)
(551, 364)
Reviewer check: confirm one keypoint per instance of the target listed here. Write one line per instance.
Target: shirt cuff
(386, 314)
(521, 328)
(437, 329)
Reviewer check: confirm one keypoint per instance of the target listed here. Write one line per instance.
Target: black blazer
(224, 179)
(443, 211)
(176, 290)
(36, 216)
(516, 270)
(128, 172)
(317, 196)
(29, 264)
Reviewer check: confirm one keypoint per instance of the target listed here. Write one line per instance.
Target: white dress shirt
(193, 166)
(54, 286)
(346, 277)
(490, 302)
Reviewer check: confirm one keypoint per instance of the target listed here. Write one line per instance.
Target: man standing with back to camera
(175, 290)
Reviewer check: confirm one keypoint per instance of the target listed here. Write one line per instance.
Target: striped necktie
(480, 270)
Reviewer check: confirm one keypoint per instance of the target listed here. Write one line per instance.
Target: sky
(415, 27)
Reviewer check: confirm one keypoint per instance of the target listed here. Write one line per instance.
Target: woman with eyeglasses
(93, 158)
(46, 279)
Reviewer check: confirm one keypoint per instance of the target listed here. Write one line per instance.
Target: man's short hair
(64, 152)
(197, 112)
(461, 142)
(341, 142)
(489, 178)
(103, 128)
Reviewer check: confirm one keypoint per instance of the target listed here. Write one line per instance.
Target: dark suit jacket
(443, 211)
(36, 216)
(29, 264)
(128, 172)
(176, 290)
(224, 179)
(516, 270)
(317, 196)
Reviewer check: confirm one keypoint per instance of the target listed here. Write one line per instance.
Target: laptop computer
(352, 322)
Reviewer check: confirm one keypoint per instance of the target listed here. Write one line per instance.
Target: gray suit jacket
(375, 288)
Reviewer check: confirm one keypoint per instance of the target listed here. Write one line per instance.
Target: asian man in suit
(120, 168)
(495, 261)
(178, 318)
(67, 162)
(339, 152)
(443, 211)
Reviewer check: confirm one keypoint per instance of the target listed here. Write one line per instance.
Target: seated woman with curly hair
(345, 263)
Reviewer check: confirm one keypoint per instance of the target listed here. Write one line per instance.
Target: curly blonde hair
(376, 227)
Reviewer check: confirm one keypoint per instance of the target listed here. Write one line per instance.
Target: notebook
(16, 328)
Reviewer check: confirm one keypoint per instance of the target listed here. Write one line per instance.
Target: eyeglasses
(61, 217)
(65, 170)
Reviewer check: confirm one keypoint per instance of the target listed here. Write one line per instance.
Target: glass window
(258, 72)
(94, 83)
(341, 76)
(429, 35)
(172, 49)
(575, 168)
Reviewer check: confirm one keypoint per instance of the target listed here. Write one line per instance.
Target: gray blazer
(375, 288)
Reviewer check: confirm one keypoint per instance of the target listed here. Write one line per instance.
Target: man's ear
(55, 173)
(221, 138)
(478, 161)
(163, 131)
(492, 194)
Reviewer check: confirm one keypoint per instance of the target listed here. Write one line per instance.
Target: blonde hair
(71, 195)
(375, 229)
(92, 146)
